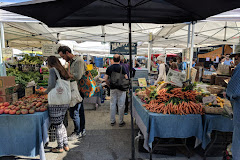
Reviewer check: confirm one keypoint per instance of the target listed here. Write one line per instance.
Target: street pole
(191, 51)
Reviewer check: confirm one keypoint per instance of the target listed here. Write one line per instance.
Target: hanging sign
(7, 53)
(176, 78)
(186, 55)
(50, 49)
(122, 48)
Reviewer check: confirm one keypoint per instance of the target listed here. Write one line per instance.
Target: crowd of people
(74, 72)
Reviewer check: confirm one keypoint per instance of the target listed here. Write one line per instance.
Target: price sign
(176, 78)
(50, 49)
(142, 82)
(7, 53)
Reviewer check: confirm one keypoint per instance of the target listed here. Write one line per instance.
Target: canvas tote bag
(61, 94)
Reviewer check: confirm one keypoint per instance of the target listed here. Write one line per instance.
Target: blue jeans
(78, 116)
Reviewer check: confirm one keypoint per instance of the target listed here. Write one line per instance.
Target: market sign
(176, 78)
(122, 48)
(50, 49)
(7, 53)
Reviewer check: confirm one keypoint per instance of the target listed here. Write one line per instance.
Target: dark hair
(54, 62)
(116, 58)
(174, 66)
(64, 49)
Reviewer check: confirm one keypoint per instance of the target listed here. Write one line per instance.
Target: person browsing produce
(57, 112)
(76, 70)
(162, 69)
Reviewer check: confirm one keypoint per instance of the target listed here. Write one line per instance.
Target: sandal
(66, 148)
(57, 150)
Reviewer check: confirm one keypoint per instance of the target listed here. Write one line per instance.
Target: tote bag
(87, 85)
(118, 81)
(61, 94)
(75, 95)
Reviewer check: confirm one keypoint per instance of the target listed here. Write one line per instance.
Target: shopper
(117, 96)
(179, 63)
(174, 66)
(57, 112)
(233, 93)
(162, 69)
(76, 70)
(228, 61)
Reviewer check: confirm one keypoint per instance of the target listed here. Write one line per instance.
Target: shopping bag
(61, 94)
(223, 69)
(87, 85)
(75, 95)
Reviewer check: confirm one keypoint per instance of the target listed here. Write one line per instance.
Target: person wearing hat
(162, 69)
(233, 94)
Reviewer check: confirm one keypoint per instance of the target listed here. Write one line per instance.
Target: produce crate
(7, 90)
(213, 110)
(215, 89)
(7, 81)
(28, 91)
(14, 97)
(7, 98)
(220, 80)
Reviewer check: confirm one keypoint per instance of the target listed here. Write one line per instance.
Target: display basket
(214, 89)
(213, 110)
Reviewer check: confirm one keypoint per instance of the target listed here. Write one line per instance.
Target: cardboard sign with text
(193, 74)
(176, 78)
(142, 82)
(209, 99)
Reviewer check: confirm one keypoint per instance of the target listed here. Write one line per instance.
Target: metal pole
(192, 44)
(131, 66)
(2, 35)
(223, 49)
(188, 40)
(149, 55)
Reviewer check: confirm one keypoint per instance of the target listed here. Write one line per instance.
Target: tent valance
(217, 52)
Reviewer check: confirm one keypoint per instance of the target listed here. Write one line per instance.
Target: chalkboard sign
(122, 48)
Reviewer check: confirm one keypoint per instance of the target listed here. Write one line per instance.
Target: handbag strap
(58, 75)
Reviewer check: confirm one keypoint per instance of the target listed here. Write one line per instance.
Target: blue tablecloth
(166, 126)
(215, 122)
(24, 135)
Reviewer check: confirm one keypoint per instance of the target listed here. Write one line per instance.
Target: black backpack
(118, 81)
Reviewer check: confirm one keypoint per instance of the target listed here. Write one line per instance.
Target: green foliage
(23, 78)
(31, 60)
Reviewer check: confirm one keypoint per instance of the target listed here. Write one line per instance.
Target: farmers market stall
(165, 125)
(189, 110)
(24, 135)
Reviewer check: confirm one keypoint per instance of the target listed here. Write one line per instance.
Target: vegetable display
(31, 60)
(171, 100)
(94, 73)
(23, 78)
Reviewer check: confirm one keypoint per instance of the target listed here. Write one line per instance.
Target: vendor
(162, 69)
(233, 94)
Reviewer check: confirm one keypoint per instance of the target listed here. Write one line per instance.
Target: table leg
(150, 153)
(211, 144)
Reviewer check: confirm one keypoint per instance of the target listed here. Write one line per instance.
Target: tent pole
(192, 44)
(131, 66)
(149, 55)
(2, 45)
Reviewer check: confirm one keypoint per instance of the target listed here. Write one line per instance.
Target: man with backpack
(117, 76)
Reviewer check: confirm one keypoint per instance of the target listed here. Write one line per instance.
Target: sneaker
(73, 136)
(82, 134)
(113, 123)
(122, 124)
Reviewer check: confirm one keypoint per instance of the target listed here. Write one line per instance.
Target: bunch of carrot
(182, 108)
(175, 101)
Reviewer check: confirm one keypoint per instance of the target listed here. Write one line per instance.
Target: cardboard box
(14, 97)
(6, 99)
(7, 81)
(7, 90)
(219, 80)
(28, 91)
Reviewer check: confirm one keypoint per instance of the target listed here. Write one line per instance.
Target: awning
(217, 52)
